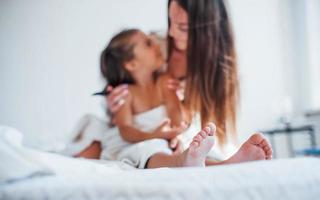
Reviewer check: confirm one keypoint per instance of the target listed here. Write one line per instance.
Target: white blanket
(19, 162)
(70, 178)
(16, 162)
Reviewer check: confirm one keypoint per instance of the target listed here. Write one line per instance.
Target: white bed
(57, 177)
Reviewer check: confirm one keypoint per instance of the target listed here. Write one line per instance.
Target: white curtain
(301, 46)
(313, 45)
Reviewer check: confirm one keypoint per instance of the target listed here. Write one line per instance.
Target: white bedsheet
(84, 179)
(279, 179)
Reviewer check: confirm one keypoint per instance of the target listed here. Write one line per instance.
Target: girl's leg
(195, 155)
(164, 160)
(92, 152)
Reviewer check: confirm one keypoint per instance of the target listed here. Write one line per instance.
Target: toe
(269, 157)
(203, 134)
(268, 144)
(265, 144)
(212, 127)
(195, 139)
(207, 130)
(256, 139)
(269, 152)
(198, 138)
(265, 148)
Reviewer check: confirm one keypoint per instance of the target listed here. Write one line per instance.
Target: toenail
(212, 126)
(207, 129)
(200, 138)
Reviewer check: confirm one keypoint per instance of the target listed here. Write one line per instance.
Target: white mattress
(278, 179)
(52, 176)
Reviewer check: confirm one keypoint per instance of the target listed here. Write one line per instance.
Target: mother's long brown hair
(212, 77)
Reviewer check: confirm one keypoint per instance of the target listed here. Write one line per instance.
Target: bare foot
(202, 143)
(255, 148)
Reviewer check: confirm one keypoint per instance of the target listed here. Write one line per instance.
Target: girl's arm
(124, 121)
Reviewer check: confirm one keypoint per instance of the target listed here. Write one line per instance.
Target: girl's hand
(116, 97)
(167, 132)
(176, 145)
(178, 86)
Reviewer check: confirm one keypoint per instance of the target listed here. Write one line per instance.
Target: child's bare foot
(255, 148)
(202, 143)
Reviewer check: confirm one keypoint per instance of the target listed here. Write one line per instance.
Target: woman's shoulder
(163, 79)
(131, 87)
(164, 84)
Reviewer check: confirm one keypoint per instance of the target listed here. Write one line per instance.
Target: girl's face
(147, 52)
(178, 29)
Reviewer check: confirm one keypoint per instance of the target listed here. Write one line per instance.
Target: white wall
(50, 50)
(277, 79)
(49, 57)
(313, 45)
(258, 32)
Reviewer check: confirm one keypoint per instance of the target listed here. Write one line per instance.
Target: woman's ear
(130, 65)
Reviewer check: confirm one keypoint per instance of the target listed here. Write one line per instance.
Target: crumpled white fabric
(91, 128)
(16, 162)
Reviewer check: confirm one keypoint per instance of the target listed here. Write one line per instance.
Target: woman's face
(178, 29)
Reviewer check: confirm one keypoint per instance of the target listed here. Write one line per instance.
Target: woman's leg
(195, 155)
(255, 148)
(92, 152)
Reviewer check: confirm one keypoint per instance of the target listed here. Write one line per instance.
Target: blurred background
(49, 64)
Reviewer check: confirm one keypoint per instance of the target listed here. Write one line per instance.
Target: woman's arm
(133, 135)
(172, 103)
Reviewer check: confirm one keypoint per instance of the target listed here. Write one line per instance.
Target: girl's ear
(130, 65)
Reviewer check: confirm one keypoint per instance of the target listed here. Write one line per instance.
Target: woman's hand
(165, 131)
(178, 86)
(116, 96)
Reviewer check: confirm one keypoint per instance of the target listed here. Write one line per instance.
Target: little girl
(134, 59)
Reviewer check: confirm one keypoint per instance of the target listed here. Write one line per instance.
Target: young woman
(201, 52)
